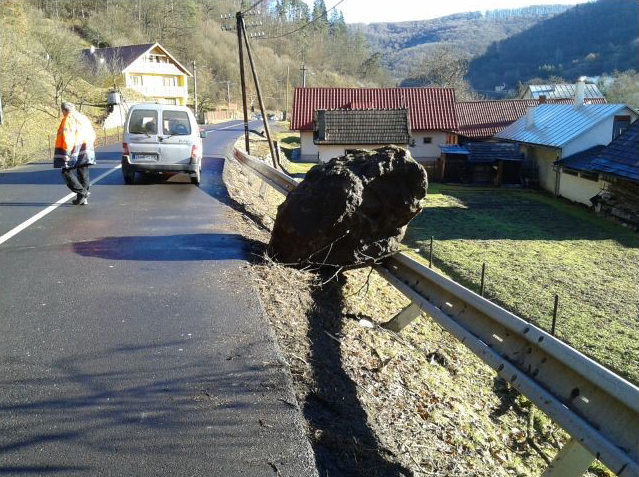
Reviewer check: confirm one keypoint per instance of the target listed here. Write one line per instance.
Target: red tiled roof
(430, 108)
(484, 119)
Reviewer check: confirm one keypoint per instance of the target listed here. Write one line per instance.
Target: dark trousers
(77, 179)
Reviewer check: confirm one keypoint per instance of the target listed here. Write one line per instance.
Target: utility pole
(228, 94)
(259, 93)
(240, 27)
(304, 70)
(288, 71)
(195, 91)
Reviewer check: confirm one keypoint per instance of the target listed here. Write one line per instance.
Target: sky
(373, 11)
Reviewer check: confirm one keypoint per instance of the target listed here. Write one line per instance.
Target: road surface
(132, 343)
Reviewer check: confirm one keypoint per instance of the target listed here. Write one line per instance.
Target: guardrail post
(430, 253)
(554, 315)
(572, 460)
(402, 319)
(483, 276)
(263, 189)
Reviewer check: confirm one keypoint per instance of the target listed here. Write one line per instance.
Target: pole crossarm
(599, 409)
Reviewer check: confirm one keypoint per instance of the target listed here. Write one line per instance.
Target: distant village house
(428, 115)
(551, 132)
(148, 69)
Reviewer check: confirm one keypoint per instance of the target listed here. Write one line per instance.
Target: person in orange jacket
(74, 151)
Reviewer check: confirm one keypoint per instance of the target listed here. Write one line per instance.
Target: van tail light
(125, 149)
(195, 152)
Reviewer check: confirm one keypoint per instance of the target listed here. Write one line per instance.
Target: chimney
(92, 50)
(542, 99)
(580, 92)
(530, 117)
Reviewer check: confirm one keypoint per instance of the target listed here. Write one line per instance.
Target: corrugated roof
(488, 152)
(453, 149)
(430, 108)
(557, 124)
(484, 119)
(369, 126)
(560, 91)
(121, 57)
(581, 161)
(621, 156)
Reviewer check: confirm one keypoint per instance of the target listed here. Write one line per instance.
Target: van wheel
(197, 177)
(128, 175)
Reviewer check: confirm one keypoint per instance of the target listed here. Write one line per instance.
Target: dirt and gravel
(378, 403)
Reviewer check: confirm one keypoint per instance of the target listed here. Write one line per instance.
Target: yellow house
(148, 69)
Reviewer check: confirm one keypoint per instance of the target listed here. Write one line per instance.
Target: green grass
(535, 246)
(289, 141)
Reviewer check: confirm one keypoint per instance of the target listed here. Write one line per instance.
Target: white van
(161, 138)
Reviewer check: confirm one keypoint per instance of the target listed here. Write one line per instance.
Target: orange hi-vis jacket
(74, 142)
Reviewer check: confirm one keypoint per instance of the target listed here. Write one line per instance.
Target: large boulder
(351, 211)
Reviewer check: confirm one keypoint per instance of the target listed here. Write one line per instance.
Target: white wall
(600, 135)
(328, 151)
(308, 150)
(431, 151)
(427, 151)
(577, 189)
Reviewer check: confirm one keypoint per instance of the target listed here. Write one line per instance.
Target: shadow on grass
(343, 443)
(506, 215)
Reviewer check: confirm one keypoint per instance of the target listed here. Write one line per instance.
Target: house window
(136, 80)
(169, 81)
(172, 101)
(620, 124)
(589, 176)
(570, 172)
(428, 140)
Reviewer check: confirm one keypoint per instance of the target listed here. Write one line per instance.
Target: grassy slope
(535, 246)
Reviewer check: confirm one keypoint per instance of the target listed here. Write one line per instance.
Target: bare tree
(61, 61)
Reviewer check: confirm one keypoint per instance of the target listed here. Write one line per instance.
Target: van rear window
(143, 121)
(176, 123)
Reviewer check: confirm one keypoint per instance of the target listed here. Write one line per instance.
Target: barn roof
(363, 126)
(621, 156)
(429, 108)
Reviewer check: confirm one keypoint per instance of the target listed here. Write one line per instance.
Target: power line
(305, 25)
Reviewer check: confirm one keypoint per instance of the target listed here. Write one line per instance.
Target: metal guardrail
(599, 409)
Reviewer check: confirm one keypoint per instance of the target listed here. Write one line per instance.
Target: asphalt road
(132, 342)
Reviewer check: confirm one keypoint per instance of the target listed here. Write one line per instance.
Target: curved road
(132, 342)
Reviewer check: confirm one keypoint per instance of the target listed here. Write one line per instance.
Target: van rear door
(142, 135)
(176, 137)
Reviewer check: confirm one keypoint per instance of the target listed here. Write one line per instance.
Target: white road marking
(16, 230)
(241, 123)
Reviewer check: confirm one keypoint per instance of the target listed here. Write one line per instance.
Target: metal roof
(489, 152)
(357, 126)
(561, 91)
(121, 57)
(429, 108)
(558, 124)
(581, 161)
(621, 156)
(453, 149)
(484, 119)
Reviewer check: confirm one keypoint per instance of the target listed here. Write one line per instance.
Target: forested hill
(403, 44)
(589, 39)
(41, 42)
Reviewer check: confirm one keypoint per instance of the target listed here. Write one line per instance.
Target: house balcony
(154, 68)
(161, 91)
